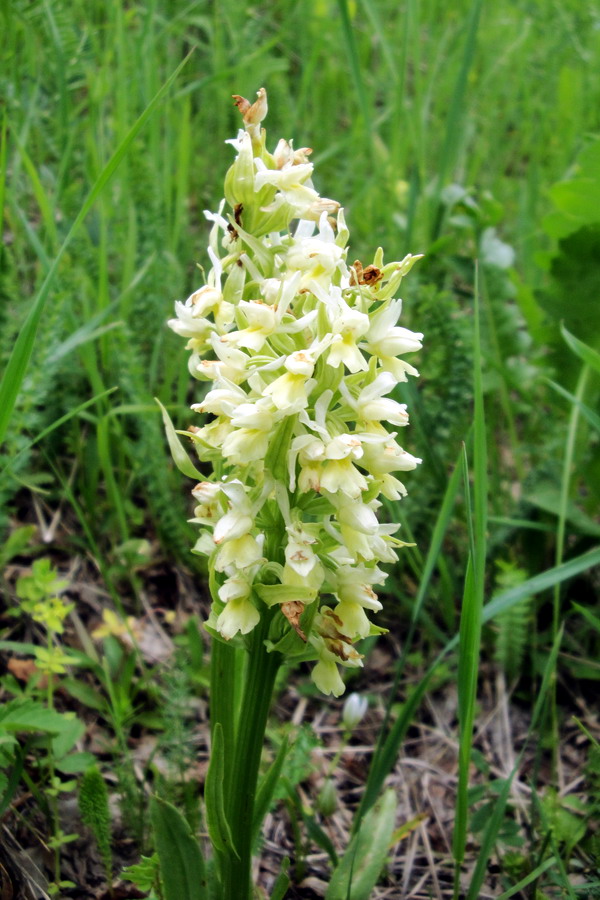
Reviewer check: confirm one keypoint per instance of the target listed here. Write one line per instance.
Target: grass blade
(541, 582)
(472, 608)
(55, 425)
(539, 870)
(21, 354)
(355, 66)
(455, 114)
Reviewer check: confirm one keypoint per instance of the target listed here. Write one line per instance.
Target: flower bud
(327, 799)
(354, 710)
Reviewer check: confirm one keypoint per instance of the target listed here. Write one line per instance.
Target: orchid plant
(300, 352)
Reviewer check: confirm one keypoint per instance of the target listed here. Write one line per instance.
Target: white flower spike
(301, 355)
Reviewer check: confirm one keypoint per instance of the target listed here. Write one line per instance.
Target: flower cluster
(301, 353)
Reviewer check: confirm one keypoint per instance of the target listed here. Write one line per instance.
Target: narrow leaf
(583, 351)
(181, 863)
(216, 820)
(282, 882)
(180, 457)
(266, 789)
(359, 869)
(539, 870)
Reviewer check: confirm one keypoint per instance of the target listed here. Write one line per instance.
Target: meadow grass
(440, 127)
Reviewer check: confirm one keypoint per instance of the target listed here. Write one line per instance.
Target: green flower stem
(256, 701)
(223, 671)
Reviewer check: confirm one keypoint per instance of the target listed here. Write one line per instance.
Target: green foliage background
(467, 131)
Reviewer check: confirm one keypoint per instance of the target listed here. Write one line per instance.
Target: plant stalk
(242, 774)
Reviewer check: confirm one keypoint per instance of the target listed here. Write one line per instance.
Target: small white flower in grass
(355, 707)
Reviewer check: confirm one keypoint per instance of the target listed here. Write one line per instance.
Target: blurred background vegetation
(469, 132)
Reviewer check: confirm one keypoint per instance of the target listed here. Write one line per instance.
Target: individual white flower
(208, 496)
(259, 415)
(239, 615)
(262, 321)
(240, 552)
(353, 620)
(245, 445)
(316, 257)
(387, 340)
(222, 401)
(290, 391)
(342, 475)
(229, 366)
(239, 520)
(383, 456)
(372, 405)
(299, 553)
(327, 678)
(313, 579)
(347, 326)
(188, 325)
(354, 585)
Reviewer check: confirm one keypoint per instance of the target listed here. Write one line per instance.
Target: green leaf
(216, 820)
(593, 620)
(583, 351)
(75, 763)
(16, 543)
(572, 294)
(68, 736)
(282, 881)
(181, 863)
(31, 716)
(472, 605)
(180, 457)
(272, 594)
(358, 871)
(533, 876)
(266, 789)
